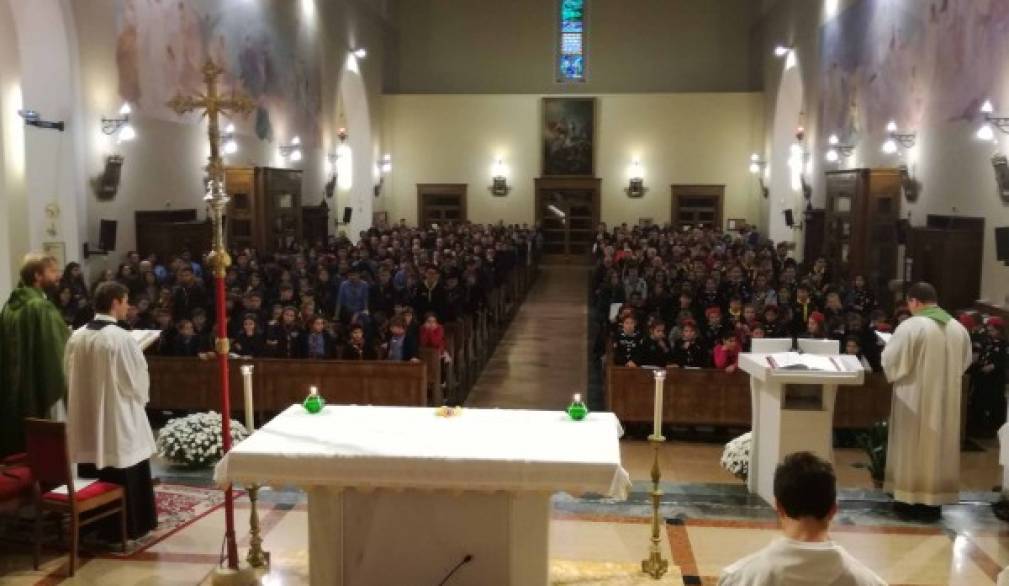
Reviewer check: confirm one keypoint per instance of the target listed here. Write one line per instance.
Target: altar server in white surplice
(108, 387)
(805, 497)
(925, 360)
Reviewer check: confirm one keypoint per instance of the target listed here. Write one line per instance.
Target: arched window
(571, 41)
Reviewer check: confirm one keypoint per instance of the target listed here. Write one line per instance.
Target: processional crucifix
(213, 105)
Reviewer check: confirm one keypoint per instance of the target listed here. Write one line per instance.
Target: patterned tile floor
(710, 520)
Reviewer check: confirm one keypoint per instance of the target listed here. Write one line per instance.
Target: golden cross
(213, 105)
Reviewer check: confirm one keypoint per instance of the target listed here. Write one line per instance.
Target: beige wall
(679, 138)
(461, 46)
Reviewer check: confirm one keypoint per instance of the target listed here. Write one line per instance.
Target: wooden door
(441, 203)
(568, 211)
(949, 241)
(880, 215)
(841, 240)
(697, 206)
(315, 223)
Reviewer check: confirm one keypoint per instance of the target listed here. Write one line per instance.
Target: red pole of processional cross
(221, 316)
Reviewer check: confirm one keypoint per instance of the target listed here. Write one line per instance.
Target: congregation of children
(384, 297)
(696, 298)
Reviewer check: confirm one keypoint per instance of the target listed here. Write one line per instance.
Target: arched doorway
(45, 163)
(357, 191)
(13, 227)
(785, 191)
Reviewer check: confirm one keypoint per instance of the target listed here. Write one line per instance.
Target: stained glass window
(571, 58)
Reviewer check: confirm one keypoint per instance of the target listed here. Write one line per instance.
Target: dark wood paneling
(190, 383)
(432, 210)
(685, 215)
(861, 214)
(714, 397)
(949, 259)
(574, 236)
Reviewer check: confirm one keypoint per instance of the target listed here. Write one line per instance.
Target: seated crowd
(697, 298)
(384, 297)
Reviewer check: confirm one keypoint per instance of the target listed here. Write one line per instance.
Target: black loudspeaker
(107, 235)
(347, 212)
(1002, 244)
(789, 218)
(903, 228)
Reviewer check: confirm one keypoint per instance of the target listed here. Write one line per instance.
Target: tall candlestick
(660, 379)
(250, 421)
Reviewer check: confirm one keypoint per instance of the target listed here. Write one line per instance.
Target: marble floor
(709, 518)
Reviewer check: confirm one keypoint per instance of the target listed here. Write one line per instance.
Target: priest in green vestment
(32, 338)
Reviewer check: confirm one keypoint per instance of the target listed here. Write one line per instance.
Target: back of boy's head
(805, 486)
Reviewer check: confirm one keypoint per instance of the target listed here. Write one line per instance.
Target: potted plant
(194, 441)
(873, 442)
(736, 456)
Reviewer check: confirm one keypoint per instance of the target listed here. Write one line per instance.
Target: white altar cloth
(409, 447)
(400, 483)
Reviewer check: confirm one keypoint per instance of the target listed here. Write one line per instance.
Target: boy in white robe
(108, 388)
(805, 495)
(925, 360)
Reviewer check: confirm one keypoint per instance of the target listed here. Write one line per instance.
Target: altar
(399, 495)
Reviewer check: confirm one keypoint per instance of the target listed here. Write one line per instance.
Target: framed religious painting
(569, 126)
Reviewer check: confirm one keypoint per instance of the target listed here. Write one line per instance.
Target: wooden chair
(49, 461)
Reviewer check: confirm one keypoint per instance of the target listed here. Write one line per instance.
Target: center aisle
(542, 359)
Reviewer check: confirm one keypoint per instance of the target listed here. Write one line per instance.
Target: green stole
(940, 315)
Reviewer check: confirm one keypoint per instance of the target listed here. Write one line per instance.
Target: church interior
(504, 293)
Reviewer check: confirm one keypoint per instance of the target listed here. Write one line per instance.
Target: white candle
(250, 420)
(660, 378)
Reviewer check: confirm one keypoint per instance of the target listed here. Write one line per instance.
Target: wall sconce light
(499, 182)
(800, 163)
(986, 131)
(908, 183)
(292, 151)
(228, 140)
(836, 150)
(360, 52)
(636, 187)
(33, 118)
(1001, 166)
(120, 126)
(384, 168)
(896, 139)
(786, 52)
(757, 166)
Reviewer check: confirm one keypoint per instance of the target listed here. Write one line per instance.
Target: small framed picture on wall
(735, 224)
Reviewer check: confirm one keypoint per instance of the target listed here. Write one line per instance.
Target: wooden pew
(714, 397)
(191, 384)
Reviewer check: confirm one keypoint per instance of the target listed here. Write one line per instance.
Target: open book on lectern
(797, 361)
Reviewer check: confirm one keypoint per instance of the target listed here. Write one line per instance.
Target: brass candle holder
(655, 565)
(256, 557)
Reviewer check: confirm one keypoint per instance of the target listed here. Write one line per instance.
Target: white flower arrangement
(736, 456)
(195, 440)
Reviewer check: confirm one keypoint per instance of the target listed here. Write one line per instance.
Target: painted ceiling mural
(919, 62)
(264, 48)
